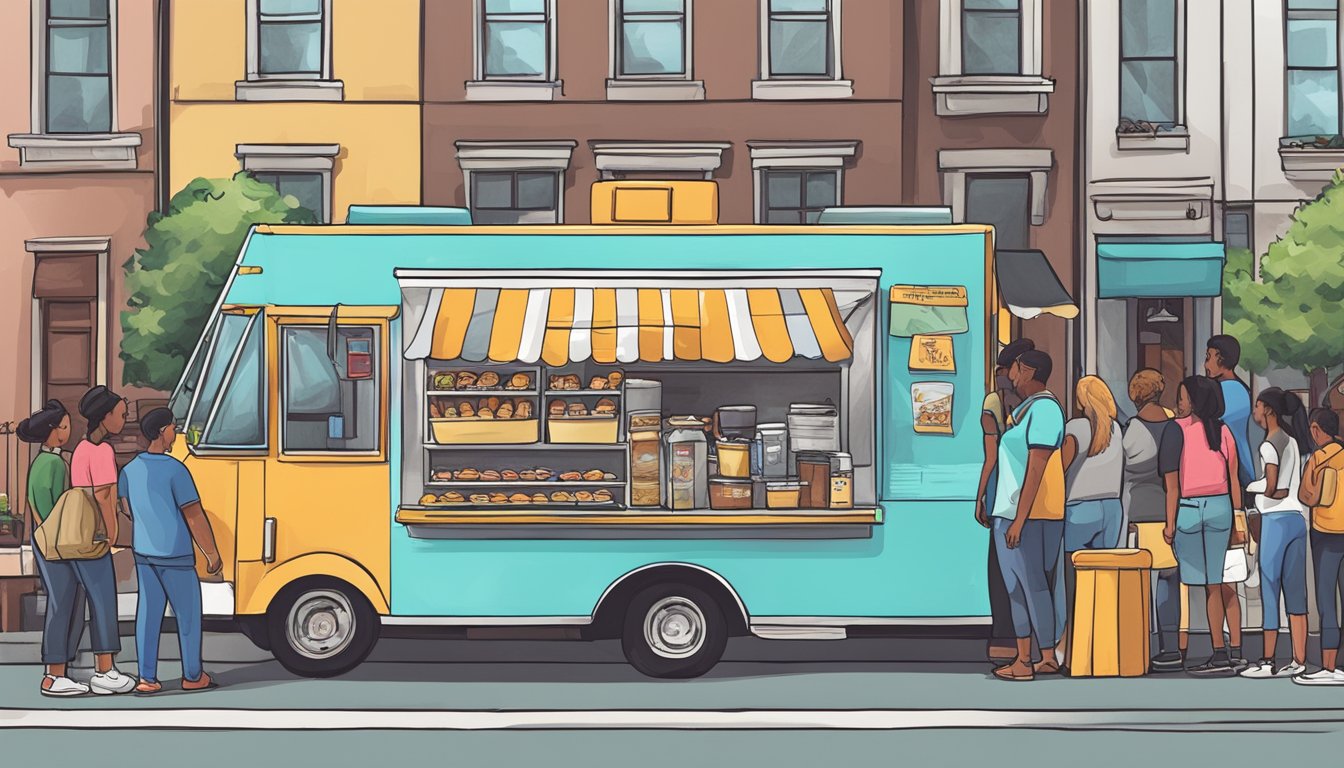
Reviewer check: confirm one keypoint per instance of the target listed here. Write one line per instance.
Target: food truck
(655, 428)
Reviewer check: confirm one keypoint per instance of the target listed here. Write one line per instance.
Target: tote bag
(73, 530)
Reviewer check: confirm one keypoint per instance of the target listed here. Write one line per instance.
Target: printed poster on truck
(932, 402)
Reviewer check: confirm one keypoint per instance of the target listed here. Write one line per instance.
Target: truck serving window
(330, 392)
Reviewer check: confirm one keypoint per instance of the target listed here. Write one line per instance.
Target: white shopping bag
(1236, 566)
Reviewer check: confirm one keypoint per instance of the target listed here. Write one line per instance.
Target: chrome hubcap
(674, 628)
(321, 624)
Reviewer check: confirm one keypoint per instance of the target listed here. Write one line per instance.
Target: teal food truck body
(668, 434)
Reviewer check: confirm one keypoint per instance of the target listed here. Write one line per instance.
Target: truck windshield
(219, 354)
(186, 389)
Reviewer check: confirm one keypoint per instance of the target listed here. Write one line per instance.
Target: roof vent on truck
(897, 215)
(409, 215)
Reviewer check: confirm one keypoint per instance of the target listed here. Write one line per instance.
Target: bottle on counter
(842, 481)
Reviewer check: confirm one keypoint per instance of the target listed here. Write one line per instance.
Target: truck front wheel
(674, 630)
(321, 628)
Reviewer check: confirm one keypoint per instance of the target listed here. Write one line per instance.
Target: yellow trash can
(1109, 635)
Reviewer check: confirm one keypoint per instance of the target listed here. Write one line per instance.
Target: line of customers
(157, 493)
(1050, 487)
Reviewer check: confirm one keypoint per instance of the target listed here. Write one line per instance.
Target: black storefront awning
(1029, 286)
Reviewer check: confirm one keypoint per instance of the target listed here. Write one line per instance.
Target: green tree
(175, 281)
(1293, 317)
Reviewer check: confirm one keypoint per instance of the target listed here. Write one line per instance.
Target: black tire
(255, 628)
(689, 613)
(318, 645)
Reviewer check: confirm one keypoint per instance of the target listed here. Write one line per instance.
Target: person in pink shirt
(93, 466)
(1198, 461)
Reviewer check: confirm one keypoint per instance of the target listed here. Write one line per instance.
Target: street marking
(485, 720)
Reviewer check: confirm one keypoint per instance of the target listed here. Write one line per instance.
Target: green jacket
(48, 478)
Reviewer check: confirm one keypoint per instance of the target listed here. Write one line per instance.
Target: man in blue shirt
(1220, 364)
(166, 519)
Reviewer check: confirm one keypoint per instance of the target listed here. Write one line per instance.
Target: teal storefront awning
(1159, 270)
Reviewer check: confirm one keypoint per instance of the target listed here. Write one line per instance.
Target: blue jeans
(1028, 573)
(1283, 565)
(1327, 550)
(1001, 621)
(63, 623)
(160, 586)
(1093, 524)
(1203, 532)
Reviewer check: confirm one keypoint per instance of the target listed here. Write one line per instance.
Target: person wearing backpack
(1283, 528)
(1321, 491)
(48, 480)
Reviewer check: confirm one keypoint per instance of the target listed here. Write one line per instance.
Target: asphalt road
(558, 704)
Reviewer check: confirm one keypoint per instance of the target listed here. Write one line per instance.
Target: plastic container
(813, 427)
(646, 468)
(814, 469)
(735, 421)
(842, 481)
(734, 459)
(729, 493)
(687, 465)
(770, 450)
(643, 395)
(582, 429)
(479, 431)
(783, 494)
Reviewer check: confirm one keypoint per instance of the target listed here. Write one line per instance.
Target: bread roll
(557, 407)
(505, 411)
(598, 382)
(576, 409)
(602, 495)
(583, 496)
(479, 498)
(488, 379)
(466, 379)
(520, 498)
(466, 410)
(544, 473)
(593, 475)
(452, 497)
(562, 496)
(527, 475)
(499, 498)
(614, 379)
(469, 474)
(490, 476)
(508, 475)
(523, 409)
(538, 498)
(605, 405)
(570, 477)
(520, 381)
(428, 499)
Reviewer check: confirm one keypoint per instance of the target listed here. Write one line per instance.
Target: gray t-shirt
(1094, 477)
(1144, 496)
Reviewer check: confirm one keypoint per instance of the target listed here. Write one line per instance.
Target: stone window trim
(956, 164)
(303, 158)
(256, 86)
(768, 88)
(613, 157)
(547, 87)
(59, 246)
(798, 155)
(957, 94)
(38, 150)
(516, 155)
(1309, 164)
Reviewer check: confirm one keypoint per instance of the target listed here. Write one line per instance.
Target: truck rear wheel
(321, 628)
(674, 631)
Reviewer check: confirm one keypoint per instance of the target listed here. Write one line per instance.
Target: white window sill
(92, 151)
(289, 90)
(801, 90)
(958, 95)
(655, 90)
(513, 90)
(1176, 140)
(1310, 163)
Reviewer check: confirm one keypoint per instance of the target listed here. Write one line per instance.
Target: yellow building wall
(379, 161)
(375, 49)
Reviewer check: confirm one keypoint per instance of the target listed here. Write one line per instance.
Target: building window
(78, 67)
(291, 40)
(302, 170)
(331, 402)
(516, 39)
(1149, 62)
(1237, 228)
(289, 52)
(652, 38)
(1005, 202)
(800, 39)
(1312, 46)
(515, 197)
(991, 37)
(798, 197)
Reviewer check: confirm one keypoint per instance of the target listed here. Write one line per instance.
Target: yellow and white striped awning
(626, 325)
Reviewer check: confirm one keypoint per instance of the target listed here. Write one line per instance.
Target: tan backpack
(74, 530)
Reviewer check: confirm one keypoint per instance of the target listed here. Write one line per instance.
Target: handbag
(74, 530)
(1236, 566)
(1149, 536)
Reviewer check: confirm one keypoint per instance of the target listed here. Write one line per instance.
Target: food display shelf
(594, 392)
(569, 506)
(479, 392)
(556, 484)
(528, 446)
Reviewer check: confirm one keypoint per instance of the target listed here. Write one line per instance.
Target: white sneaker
(63, 686)
(110, 682)
(1323, 677)
(1260, 670)
(1291, 669)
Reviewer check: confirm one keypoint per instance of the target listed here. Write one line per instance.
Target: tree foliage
(1293, 317)
(175, 281)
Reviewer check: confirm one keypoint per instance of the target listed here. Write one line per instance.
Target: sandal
(148, 686)
(1006, 673)
(1046, 667)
